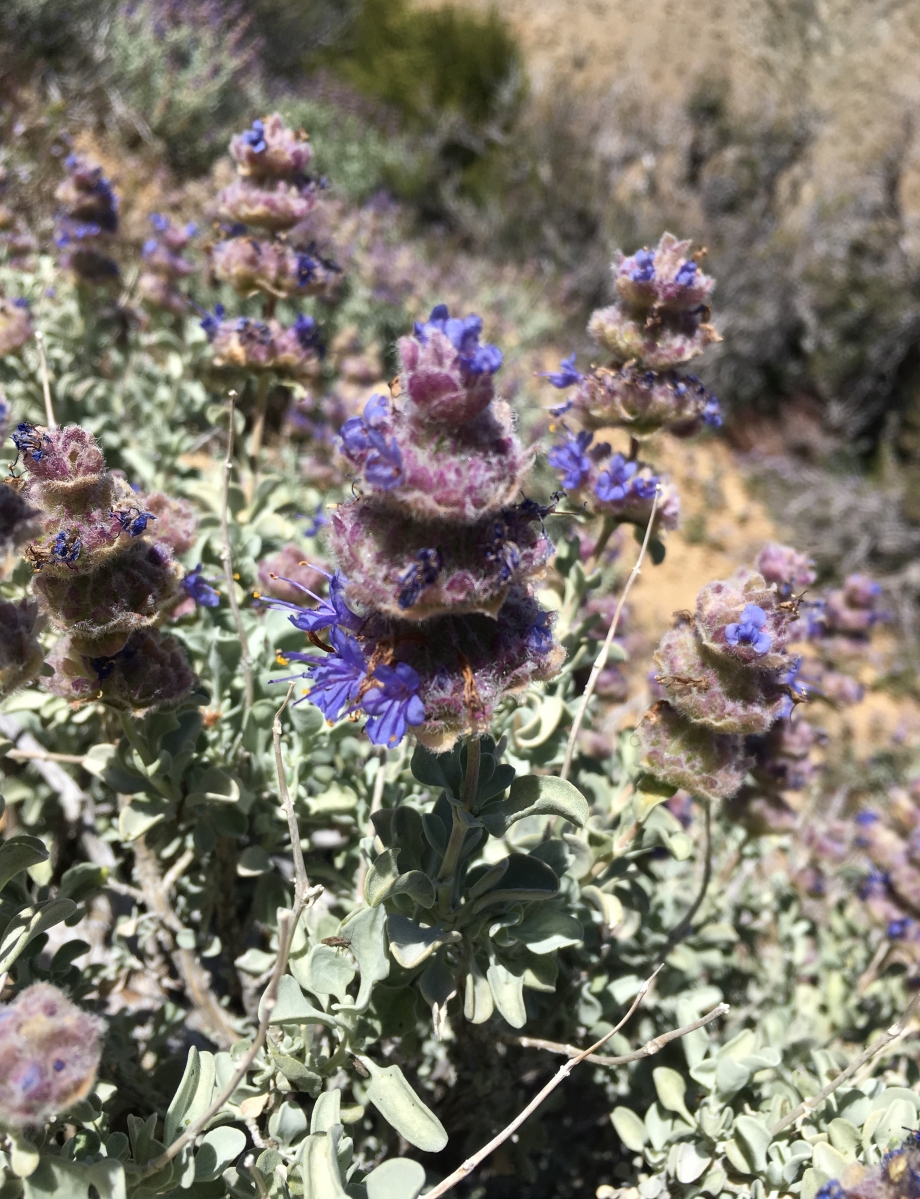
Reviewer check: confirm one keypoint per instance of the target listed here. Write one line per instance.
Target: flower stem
(448, 871)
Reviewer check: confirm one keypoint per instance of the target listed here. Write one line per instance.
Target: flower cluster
(272, 194)
(104, 572)
(260, 347)
(658, 322)
(612, 485)
(86, 223)
(164, 265)
(430, 614)
(896, 1176)
(49, 1055)
(723, 670)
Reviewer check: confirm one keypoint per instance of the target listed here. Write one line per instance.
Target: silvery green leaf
(410, 944)
(478, 1004)
(301, 1078)
(217, 1150)
(292, 1007)
(61, 1179)
(399, 1105)
(541, 973)
(536, 795)
(214, 786)
(671, 1087)
(27, 924)
(812, 1181)
(483, 877)
(608, 904)
(288, 1123)
(544, 930)
(658, 1126)
(366, 930)
(437, 984)
(845, 1137)
(507, 989)
(889, 1130)
(18, 854)
(731, 1076)
(397, 1178)
(185, 1093)
(384, 881)
(545, 722)
(692, 1159)
(753, 1136)
(527, 878)
(828, 1160)
(327, 1111)
(328, 970)
(629, 1128)
(320, 1168)
(24, 1155)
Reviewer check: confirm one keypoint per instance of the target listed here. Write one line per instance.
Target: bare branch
(601, 660)
(227, 555)
(46, 386)
(301, 883)
(648, 1049)
(561, 1075)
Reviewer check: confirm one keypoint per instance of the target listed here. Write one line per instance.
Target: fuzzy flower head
(149, 673)
(86, 221)
(740, 618)
(242, 343)
(269, 150)
(667, 277)
(644, 401)
(275, 206)
(785, 567)
(49, 1055)
(250, 266)
(447, 372)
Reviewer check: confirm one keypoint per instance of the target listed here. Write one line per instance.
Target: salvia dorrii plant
(87, 222)
(102, 578)
(431, 613)
(150, 863)
(658, 323)
(273, 194)
(164, 266)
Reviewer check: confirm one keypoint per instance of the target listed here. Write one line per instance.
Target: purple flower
(644, 269)
(463, 335)
(539, 635)
(337, 677)
(211, 323)
(616, 482)
(866, 817)
(686, 276)
(393, 703)
(875, 883)
(566, 376)
(307, 333)
(159, 222)
(712, 413)
(66, 548)
(332, 613)
(254, 137)
(133, 522)
(571, 459)
(361, 434)
(317, 521)
(421, 574)
(200, 589)
(898, 928)
(749, 630)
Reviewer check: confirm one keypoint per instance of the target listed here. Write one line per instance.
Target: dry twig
(601, 660)
(561, 1075)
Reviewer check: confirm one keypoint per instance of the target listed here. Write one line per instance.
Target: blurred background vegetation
(783, 137)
